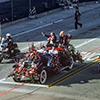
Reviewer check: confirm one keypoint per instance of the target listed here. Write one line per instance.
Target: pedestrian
(77, 18)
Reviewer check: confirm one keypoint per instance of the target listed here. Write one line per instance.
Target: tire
(71, 64)
(1, 58)
(43, 76)
(16, 79)
(16, 52)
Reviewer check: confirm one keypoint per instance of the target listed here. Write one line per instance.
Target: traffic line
(2, 80)
(87, 42)
(12, 89)
(14, 83)
(72, 74)
(59, 21)
(71, 30)
(25, 32)
(91, 51)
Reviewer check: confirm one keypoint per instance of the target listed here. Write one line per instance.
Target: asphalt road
(84, 39)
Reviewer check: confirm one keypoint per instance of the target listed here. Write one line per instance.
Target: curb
(34, 17)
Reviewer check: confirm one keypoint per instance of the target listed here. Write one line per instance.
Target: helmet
(8, 34)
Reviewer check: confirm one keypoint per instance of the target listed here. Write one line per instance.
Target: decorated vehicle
(38, 64)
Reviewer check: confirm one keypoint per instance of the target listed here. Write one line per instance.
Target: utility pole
(12, 9)
(29, 5)
(0, 32)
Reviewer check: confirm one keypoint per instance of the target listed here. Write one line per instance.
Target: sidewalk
(88, 6)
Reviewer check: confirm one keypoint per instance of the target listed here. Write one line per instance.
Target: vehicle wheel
(71, 63)
(43, 76)
(16, 79)
(1, 58)
(80, 59)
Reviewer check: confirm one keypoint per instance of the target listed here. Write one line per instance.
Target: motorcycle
(75, 54)
(4, 54)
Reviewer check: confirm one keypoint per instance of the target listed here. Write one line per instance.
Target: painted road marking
(91, 51)
(59, 21)
(73, 73)
(71, 30)
(35, 85)
(12, 89)
(32, 29)
(2, 80)
(90, 56)
(86, 42)
(25, 32)
(22, 90)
